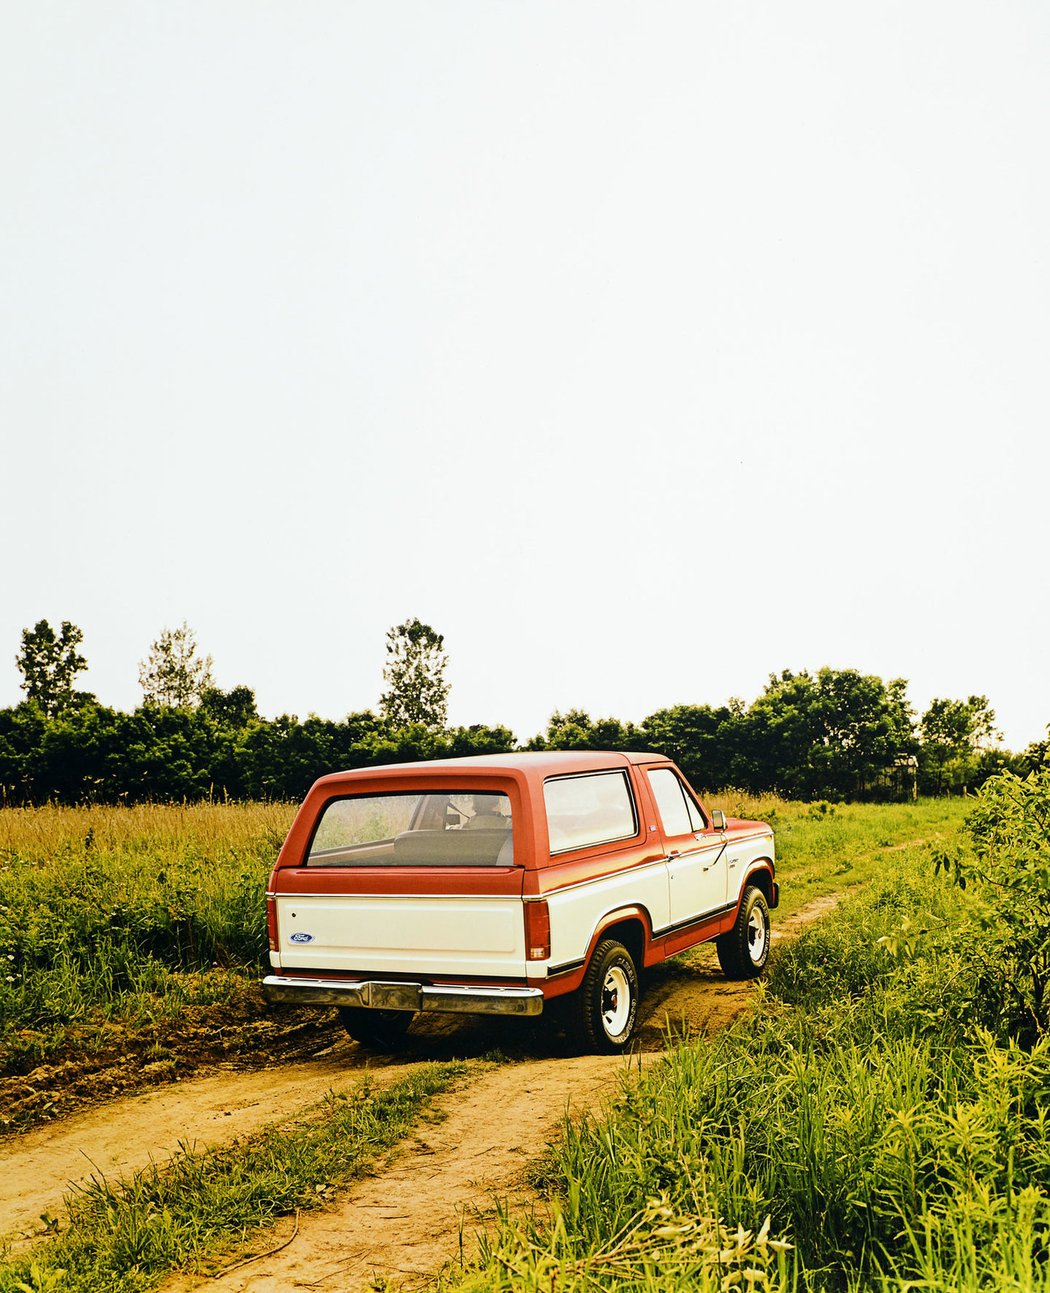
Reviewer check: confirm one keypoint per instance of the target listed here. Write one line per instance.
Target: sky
(641, 350)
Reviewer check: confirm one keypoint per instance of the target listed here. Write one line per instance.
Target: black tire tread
(733, 954)
(379, 1030)
(588, 998)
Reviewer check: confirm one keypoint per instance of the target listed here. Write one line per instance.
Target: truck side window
(667, 791)
(678, 812)
(596, 808)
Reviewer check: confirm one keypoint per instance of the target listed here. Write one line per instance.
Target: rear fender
(630, 926)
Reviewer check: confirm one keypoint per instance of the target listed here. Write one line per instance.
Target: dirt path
(408, 1221)
(115, 1139)
(425, 1209)
(491, 1128)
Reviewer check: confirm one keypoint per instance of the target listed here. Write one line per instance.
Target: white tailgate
(411, 935)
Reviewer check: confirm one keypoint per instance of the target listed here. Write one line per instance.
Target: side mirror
(718, 819)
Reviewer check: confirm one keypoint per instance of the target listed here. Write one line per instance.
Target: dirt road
(423, 1210)
(405, 1222)
(117, 1138)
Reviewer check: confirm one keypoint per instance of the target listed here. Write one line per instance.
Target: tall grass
(44, 833)
(863, 1114)
(825, 848)
(108, 913)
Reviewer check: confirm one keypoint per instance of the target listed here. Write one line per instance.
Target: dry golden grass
(39, 834)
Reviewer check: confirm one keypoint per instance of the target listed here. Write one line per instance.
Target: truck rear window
(447, 828)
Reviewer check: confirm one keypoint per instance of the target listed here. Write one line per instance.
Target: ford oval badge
(298, 937)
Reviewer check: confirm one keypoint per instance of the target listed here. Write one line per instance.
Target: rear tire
(607, 1002)
(379, 1030)
(744, 951)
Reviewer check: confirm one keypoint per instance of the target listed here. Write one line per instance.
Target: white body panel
(577, 911)
(673, 892)
(739, 857)
(404, 934)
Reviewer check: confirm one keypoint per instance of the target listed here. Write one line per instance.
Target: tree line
(832, 734)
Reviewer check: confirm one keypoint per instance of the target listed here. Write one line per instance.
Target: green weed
(126, 914)
(1009, 872)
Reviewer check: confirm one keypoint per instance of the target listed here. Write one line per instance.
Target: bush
(1010, 870)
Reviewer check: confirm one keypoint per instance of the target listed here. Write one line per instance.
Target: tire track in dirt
(38, 1167)
(427, 1207)
(409, 1220)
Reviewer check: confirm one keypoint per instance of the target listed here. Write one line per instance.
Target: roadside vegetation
(131, 935)
(878, 1122)
(199, 1211)
(824, 848)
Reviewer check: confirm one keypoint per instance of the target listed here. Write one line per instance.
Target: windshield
(447, 828)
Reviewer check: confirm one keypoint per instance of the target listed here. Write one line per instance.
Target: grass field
(858, 1131)
(826, 848)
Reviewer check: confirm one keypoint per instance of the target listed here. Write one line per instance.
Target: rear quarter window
(597, 808)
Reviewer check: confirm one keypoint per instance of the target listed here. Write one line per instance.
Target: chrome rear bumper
(378, 994)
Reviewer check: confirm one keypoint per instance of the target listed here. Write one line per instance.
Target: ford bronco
(504, 883)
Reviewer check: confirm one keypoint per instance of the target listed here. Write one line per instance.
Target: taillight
(271, 921)
(537, 931)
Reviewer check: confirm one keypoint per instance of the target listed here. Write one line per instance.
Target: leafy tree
(955, 734)
(21, 736)
(576, 730)
(174, 676)
(1037, 755)
(831, 735)
(49, 664)
(234, 708)
(704, 742)
(478, 739)
(415, 677)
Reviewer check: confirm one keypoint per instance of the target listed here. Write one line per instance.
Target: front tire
(379, 1030)
(744, 951)
(607, 1002)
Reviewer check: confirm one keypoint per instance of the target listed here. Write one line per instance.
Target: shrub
(1010, 869)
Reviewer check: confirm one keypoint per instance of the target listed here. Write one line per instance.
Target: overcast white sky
(642, 349)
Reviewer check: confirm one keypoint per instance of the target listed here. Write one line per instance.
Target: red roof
(542, 762)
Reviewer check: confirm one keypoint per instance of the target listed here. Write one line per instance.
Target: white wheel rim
(756, 935)
(616, 1001)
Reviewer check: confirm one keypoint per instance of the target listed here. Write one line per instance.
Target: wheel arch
(630, 926)
(759, 875)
